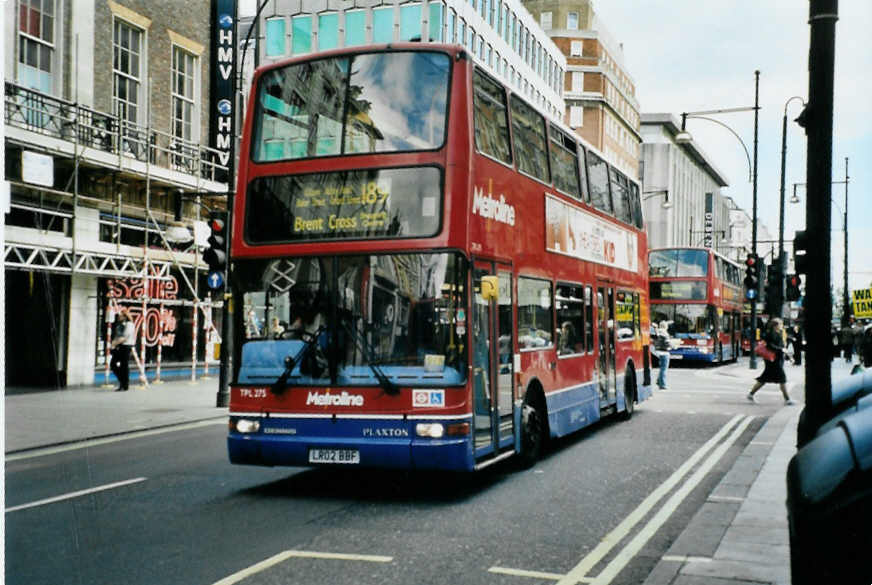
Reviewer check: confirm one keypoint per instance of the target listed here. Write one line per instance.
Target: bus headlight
(431, 430)
(244, 425)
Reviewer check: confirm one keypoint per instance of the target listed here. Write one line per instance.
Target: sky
(692, 55)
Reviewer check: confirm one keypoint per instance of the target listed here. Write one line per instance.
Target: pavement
(739, 536)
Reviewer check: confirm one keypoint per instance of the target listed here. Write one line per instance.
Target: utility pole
(846, 297)
(813, 245)
(752, 362)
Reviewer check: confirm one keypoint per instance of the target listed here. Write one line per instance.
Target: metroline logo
(327, 399)
(487, 207)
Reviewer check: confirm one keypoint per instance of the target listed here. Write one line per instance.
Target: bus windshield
(374, 102)
(354, 320)
(662, 263)
(686, 320)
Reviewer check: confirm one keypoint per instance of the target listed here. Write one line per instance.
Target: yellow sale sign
(862, 303)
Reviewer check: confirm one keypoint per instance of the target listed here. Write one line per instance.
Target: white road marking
(727, 499)
(580, 571)
(531, 574)
(686, 559)
(77, 494)
(635, 545)
(283, 556)
(114, 439)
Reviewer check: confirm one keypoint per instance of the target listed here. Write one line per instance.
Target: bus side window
(564, 162)
(588, 319)
(598, 175)
(491, 123)
(531, 145)
(535, 315)
(570, 318)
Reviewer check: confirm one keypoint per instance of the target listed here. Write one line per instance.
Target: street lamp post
(779, 304)
(684, 136)
(846, 306)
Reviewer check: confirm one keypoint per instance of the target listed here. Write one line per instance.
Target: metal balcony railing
(52, 116)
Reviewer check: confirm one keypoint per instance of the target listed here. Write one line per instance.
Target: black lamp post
(846, 301)
(684, 136)
(779, 303)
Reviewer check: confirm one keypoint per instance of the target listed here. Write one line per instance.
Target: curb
(33, 451)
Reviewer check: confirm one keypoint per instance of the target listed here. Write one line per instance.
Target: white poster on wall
(575, 232)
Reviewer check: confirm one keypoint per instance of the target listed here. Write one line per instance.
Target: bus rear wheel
(629, 397)
(532, 431)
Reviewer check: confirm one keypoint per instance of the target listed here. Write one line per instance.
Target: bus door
(605, 301)
(493, 368)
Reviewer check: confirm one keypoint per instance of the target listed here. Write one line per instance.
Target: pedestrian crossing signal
(793, 282)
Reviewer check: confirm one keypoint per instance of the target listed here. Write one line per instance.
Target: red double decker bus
(427, 273)
(698, 292)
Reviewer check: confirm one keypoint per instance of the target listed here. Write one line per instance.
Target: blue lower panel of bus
(571, 409)
(691, 354)
(377, 443)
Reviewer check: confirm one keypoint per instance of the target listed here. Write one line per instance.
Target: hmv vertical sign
(222, 102)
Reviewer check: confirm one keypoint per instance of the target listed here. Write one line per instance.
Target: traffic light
(215, 254)
(793, 282)
(751, 276)
(774, 293)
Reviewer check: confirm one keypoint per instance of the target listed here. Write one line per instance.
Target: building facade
(106, 126)
(599, 92)
(500, 34)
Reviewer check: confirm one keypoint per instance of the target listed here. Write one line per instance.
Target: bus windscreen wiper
(280, 385)
(389, 387)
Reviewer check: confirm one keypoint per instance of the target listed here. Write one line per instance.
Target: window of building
(302, 35)
(36, 44)
(545, 20)
(275, 37)
(490, 117)
(328, 31)
(531, 148)
(576, 116)
(184, 77)
(535, 322)
(437, 10)
(355, 28)
(410, 22)
(383, 25)
(577, 81)
(127, 69)
(452, 26)
(569, 302)
(572, 20)
(575, 49)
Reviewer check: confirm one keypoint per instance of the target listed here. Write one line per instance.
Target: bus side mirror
(489, 290)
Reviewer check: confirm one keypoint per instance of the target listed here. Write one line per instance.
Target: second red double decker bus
(427, 273)
(698, 292)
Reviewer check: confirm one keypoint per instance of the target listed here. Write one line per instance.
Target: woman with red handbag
(773, 370)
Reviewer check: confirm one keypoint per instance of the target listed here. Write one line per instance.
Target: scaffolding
(109, 146)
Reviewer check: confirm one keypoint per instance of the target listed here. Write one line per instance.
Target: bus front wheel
(629, 397)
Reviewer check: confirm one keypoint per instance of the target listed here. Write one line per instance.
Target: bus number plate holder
(340, 456)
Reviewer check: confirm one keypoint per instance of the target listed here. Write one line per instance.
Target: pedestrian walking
(846, 340)
(773, 371)
(797, 344)
(661, 350)
(122, 344)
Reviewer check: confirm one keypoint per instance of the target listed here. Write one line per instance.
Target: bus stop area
(740, 535)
